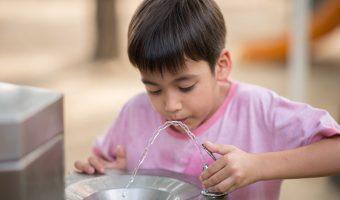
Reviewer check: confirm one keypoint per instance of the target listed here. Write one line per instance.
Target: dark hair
(164, 33)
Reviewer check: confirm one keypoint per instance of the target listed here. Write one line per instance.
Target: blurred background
(78, 47)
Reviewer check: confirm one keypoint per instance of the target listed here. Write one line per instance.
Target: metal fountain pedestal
(31, 143)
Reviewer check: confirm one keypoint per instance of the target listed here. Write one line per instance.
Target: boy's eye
(154, 92)
(187, 89)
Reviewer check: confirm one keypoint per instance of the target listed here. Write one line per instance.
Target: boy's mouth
(180, 120)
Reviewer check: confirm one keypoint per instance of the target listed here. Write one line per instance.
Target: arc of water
(153, 138)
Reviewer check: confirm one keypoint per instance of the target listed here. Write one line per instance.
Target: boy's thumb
(210, 146)
(120, 152)
(120, 158)
(221, 149)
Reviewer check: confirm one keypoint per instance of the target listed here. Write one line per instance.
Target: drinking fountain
(31, 143)
(150, 184)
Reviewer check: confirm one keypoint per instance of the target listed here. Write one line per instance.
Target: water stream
(153, 138)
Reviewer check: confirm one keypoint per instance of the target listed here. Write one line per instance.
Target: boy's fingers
(97, 163)
(215, 176)
(214, 169)
(84, 167)
(225, 186)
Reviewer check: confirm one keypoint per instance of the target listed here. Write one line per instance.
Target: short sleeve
(104, 145)
(297, 124)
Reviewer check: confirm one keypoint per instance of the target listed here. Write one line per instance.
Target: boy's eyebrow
(185, 77)
(149, 82)
(181, 78)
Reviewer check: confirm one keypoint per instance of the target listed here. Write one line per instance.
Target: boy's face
(190, 96)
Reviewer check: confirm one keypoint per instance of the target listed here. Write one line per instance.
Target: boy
(260, 137)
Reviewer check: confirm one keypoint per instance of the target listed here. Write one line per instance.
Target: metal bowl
(148, 184)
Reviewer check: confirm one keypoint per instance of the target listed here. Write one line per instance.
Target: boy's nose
(172, 104)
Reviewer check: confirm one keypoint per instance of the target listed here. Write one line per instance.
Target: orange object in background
(325, 18)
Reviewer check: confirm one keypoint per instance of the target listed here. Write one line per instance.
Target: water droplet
(124, 195)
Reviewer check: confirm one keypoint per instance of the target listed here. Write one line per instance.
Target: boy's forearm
(319, 159)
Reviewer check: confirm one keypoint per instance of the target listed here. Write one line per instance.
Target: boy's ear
(223, 66)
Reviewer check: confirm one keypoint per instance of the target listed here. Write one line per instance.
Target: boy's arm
(237, 168)
(318, 159)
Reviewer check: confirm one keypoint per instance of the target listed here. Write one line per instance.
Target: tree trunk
(107, 45)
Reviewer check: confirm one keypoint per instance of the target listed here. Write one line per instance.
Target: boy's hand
(98, 164)
(233, 170)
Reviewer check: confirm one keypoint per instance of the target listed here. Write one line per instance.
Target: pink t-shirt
(251, 118)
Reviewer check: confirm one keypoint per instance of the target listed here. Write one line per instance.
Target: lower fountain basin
(131, 193)
(148, 184)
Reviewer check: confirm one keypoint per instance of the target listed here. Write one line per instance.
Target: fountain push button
(205, 192)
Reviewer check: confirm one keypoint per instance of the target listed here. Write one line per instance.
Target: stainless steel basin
(148, 185)
(131, 193)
